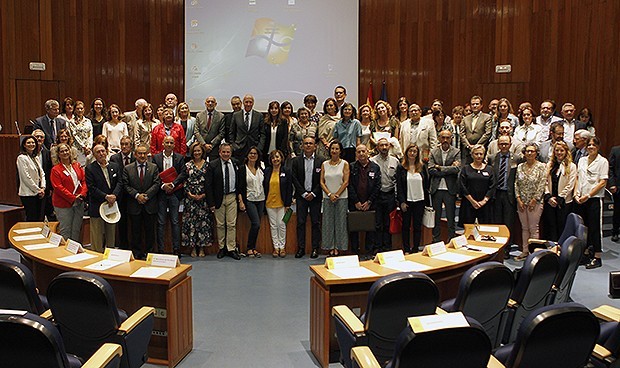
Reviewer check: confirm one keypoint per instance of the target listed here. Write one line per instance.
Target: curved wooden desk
(328, 290)
(170, 294)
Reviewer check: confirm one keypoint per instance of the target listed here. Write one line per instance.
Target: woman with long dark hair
(31, 179)
(251, 177)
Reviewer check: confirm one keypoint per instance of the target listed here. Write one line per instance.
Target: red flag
(369, 100)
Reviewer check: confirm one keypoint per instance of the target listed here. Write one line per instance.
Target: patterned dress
(197, 228)
(82, 132)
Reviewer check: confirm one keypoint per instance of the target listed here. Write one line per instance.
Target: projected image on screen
(273, 49)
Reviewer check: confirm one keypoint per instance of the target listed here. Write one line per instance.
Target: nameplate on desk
(74, 247)
(390, 257)
(163, 260)
(459, 242)
(335, 263)
(45, 231)
(28, 230)
(475, 234)
(118, 255)
(434, 249)
(488, 228)
(55, 239)
(435, 322)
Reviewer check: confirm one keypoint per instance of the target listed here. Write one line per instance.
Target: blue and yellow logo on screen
(271, 41)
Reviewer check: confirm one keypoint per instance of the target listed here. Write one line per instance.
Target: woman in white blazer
(558, 200)
(31, 179)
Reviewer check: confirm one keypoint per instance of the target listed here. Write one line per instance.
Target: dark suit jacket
(215, 182)
(401, 185)
(98, 187)
(46, 162)
(286, 184)
(437, 171)
(43, 123)
(178, 162)
(212, 135)
(149, 186)
(299, 177)
(118, 159)
(614, 167)
(281, 139)
(374, 183)
(242, 138)
(494, 161)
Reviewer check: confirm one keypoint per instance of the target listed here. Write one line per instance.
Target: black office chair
(570, 254)
(463, 347)
(531, 290)
(391, 300)
(483, 294)
(571, 228)
(30, 341)
(84, 307)
(18, 290)
(554, 336)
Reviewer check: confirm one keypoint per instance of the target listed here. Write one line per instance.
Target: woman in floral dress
(197, 231)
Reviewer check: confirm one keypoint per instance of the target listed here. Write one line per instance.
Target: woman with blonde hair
(558, 200)
(143, 128)
(384, 122)
(115, 128)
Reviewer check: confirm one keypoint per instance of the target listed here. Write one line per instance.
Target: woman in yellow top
(278, 184)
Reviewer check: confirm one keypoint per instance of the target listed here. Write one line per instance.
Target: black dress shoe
(594, 263)
(234, 255)
(315, 253)
(221, 253)
(300, 253)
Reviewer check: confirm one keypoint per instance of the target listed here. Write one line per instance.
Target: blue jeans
(255, 212)
(168, 204)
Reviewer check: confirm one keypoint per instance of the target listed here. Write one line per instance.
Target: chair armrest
(494, 363)
(607, 313)
(537, 241)
(600, 352)
(440, 311)
(512, 303)
(364, 357)
(134, 320)
(349, 319)
(47, 315)
(103, 356)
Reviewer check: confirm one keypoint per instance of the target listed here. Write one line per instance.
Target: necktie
(247, 120)
(126, 160)
(457, 141)
(577, 156)
(226, 178)
(209, 121)
(474, 121)
(141, 171)
(53, 126)
(502, 172)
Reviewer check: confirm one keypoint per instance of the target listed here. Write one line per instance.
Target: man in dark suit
(50, 123)
(170, 196)
(580, 141)
(210, 128)
(614, 181)
(443, 168)
(476, 129)
(122, 159)
(364, 187)
(308, 193)
(141, 182)
(235, 105)
(46, 162)
(246, 129)
(504, 164)
(222, 198)
(103, 180)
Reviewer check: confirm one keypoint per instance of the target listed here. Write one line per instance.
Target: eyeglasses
(308, 143)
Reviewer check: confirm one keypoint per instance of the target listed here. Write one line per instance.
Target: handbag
(361, 221)
(428, 219)
(614, 284)
(396, 222)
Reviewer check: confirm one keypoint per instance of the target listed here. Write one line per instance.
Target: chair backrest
(17, 288)
(483, 294)
(555, 336)
(582, 233)
(570, 254)
(463, 347)
(391, 300)
(30, 341)
(85, 310)
(573, 221)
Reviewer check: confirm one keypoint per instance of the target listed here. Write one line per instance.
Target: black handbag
(614, 284)
(361, 221)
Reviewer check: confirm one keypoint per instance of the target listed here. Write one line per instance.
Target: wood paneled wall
(567, 50)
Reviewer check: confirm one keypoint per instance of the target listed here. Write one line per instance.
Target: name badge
(74, 247)
(371, 174)
(282, 175)
(484, 173)
(434, 249)
(390, 257)
(336, 263)
(45, 231)
(459, 242)
(118, 255)
(163, 260)
(66, 173)
(318, 170)
(55, 239)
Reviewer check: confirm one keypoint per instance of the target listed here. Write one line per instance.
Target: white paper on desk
(28, 230)
(74, 258)
(453, 257)
(501, 240)
(28, 237)
(150, 272)
(40, 246)
(485, 250)
(14, 312)
(488, 229)
(102, 265)
(406, 266)
(353, 272)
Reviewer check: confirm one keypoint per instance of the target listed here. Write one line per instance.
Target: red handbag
(396, 222)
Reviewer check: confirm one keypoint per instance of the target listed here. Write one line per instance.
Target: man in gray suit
(443, 168)
(141, 182)
(210, 128)
(246, 129)
(546, 148)
(476, 127)
(50, 123)
(504, 164)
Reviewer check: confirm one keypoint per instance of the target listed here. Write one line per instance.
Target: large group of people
(501, 164)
